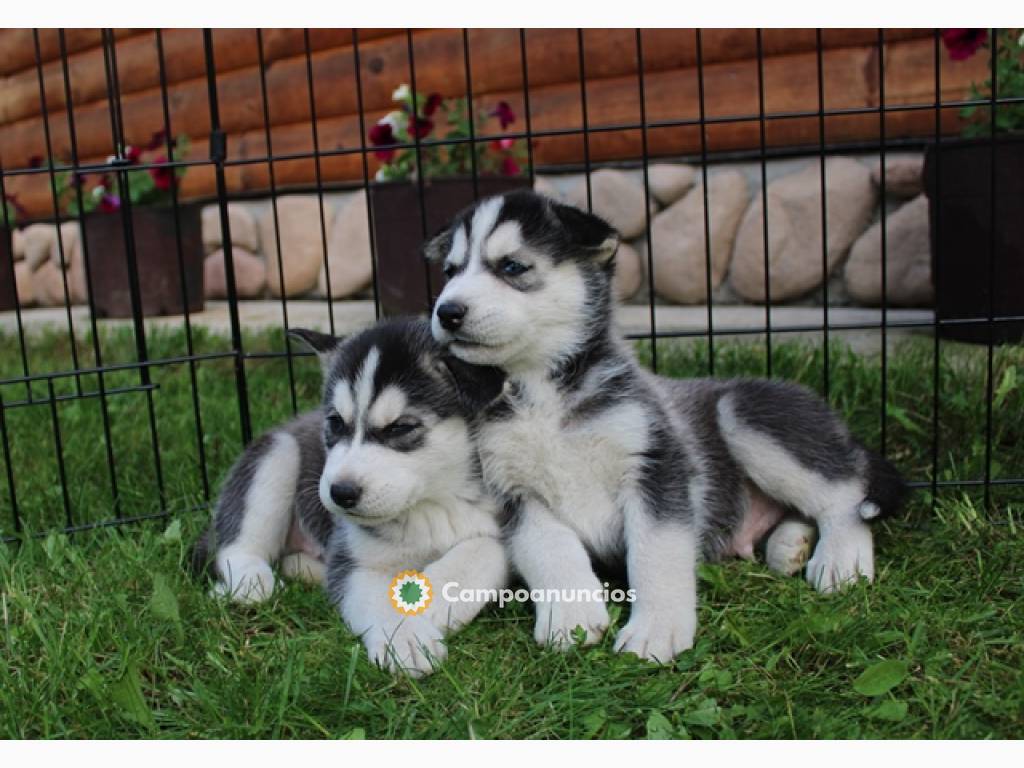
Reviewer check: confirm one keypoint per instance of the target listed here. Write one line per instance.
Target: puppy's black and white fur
(381, 479)
(597, 459)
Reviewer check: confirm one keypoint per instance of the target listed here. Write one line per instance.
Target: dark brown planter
(156, 254)
(398, 235)
(8, 290)
(958, 183)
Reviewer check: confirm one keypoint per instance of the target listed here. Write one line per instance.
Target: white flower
(111, 159)
(395, 119)
(381, 175)
(99, 191)
(401, 93)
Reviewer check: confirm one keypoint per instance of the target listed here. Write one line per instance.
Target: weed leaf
(880, 678)
(659, 727)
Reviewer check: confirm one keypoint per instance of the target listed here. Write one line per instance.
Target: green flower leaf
(880, 678)
(126, 693)
(891, 710)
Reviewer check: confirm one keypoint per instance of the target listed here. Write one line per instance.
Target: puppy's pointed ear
(478, 386)
(437, 247)
(594, 236)
(322, 343)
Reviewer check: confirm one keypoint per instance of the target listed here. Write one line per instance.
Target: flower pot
(964, 230)
(156, 255)
(399, 235)
(8, 290)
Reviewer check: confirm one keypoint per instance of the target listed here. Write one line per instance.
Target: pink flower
(381, 134)
(504, 114)
(110, 203)
(963, 43)
(509, 166)
(502, 145)
(433, 102)
(163, 177)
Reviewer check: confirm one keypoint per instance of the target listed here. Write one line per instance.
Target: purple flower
(433, 102)
(509, 166)
(110, 203)
(504, 114)
(963, 43)
(163, 177)
(382, 135)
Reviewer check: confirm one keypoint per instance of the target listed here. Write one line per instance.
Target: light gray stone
(349, 256)
(17, 244)
(543, 186)
(250, 274)
(38, 240)
(244, 233)
(629, 272)
(677, 234)
(302, 251)
(23, 283)
(616, 197)
(904, 175)
(668, 182)
(794, 229)
(48, 285)
(908, 263)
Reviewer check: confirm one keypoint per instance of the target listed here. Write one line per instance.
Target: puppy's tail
(200, 563)
(887, 490)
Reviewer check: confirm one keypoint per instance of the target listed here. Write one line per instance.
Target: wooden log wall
(851, 61)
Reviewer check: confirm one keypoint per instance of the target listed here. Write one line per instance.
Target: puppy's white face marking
(460, 248)
(344, 402)
(516, 322)
(364, 381)
(388, 406)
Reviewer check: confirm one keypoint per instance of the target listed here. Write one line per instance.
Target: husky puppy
(599, 460)
(382, 478)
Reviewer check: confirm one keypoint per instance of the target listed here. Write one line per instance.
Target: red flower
(382, 135)
(163, 177)
(502, 145)
(963, 43)
(509, 166)
(504, 114)
(132, 154)
(433, 102)
(156, 140)
(110, 203)
(421, 127)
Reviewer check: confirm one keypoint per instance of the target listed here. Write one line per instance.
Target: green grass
(105, 636)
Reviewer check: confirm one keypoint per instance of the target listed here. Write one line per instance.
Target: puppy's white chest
(576, 467)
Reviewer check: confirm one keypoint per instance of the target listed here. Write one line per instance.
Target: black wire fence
(92, 377)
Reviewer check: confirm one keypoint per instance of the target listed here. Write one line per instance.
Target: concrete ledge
(736, 321)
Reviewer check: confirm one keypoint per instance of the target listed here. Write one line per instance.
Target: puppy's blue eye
(335, 424)
(512, 268)
(401, 427)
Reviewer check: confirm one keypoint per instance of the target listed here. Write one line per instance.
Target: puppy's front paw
(789, 546)
(841, 557)
(557, 621)
(658, 637)
(248, 583)
(411, 644)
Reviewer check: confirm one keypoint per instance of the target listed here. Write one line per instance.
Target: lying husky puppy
(389, 458)
(596, 458)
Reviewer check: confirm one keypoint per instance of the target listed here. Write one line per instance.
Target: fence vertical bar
(90, 298)
(366, 172)
(9, 467)
(586, 129)
(175, 207)
(471, 113)
(58, 447)
(990, 372)
(936, 203)
(218, 154)
(826, 362)
(526, 102)
(647, 193)
(277, 224)
(702, 122)
(882, 221)
(138, 321)
(319, 176)
(764, 205)
(414, 120)
(19, 321)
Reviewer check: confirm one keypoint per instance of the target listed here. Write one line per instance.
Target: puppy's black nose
(450, 315)
(346, 494)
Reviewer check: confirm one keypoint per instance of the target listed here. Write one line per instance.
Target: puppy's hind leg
(253, 516)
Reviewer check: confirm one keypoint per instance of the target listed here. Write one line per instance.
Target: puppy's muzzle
(345, 494)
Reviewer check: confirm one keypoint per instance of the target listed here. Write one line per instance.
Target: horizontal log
(851, 80)
(18, 51)
(495, 66)
(139, 64)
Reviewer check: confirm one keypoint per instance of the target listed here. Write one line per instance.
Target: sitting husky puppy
(596, 458)
(389, 458)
